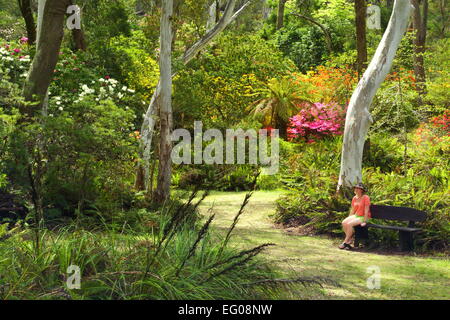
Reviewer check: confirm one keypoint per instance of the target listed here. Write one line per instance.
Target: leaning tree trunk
(27, 14)
(162, 192)
(50, 33)
(420, 26)
(358, 118)
(148, 124)
(361, 43)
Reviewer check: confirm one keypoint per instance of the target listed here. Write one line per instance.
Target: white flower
(124, 88)
(120, 95)
(58, 102)
(86, 89)
(131, 90)
(60, 108)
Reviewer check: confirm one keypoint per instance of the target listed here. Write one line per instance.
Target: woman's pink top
(359, 204)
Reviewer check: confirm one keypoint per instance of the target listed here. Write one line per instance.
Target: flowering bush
(317, 121)
(328, 84)
(15, 59)
(442, 123)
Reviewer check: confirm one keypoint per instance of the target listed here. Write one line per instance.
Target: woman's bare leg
(349, 229)
(345, 227)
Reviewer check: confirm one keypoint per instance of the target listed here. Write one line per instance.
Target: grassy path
(402, 276)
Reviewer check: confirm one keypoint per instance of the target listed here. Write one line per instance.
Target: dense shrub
(218, 86)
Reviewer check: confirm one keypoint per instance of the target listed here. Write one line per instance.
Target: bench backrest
(397, 213)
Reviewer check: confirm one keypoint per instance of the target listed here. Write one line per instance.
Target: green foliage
(82, 155)
(394, 108)
(305, 46)
(438, 95)
(218, 86)
(280, 102)
(12, 25)
(131, 62)
(106, 19)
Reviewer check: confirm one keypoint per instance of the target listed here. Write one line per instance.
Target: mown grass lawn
(402, 276)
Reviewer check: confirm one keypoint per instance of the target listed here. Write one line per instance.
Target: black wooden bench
(406, 233)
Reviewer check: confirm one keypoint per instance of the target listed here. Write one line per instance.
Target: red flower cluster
(442, 122)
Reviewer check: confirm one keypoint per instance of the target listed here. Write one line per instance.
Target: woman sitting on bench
(359, 214)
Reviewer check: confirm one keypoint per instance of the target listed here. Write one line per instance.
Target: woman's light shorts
(361, 218)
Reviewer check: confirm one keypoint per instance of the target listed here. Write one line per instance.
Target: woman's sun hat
(360, 186)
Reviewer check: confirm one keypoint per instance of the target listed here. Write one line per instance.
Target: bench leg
(406, 241)
(361, 233)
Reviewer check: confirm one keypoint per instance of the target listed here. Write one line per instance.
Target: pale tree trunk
(162, 192)
(27, 14)
(361, 43)
(280, 15)
(51, 15)
(420, 27)
(212, 14)
(358, 118)
(265, 10)
(149, 121)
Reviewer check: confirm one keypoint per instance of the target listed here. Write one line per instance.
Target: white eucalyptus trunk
(162, 192)
(358, 119)
(150, 116)
(212, 15)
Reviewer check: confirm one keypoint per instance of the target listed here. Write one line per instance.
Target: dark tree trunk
(79, 40)
(390, 4)
(280, 16)
(44, 62)
(361, 43)
(27, 14)
(420, 26)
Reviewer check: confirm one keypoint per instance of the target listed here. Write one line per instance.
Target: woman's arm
(352, 208)
(366, 209)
